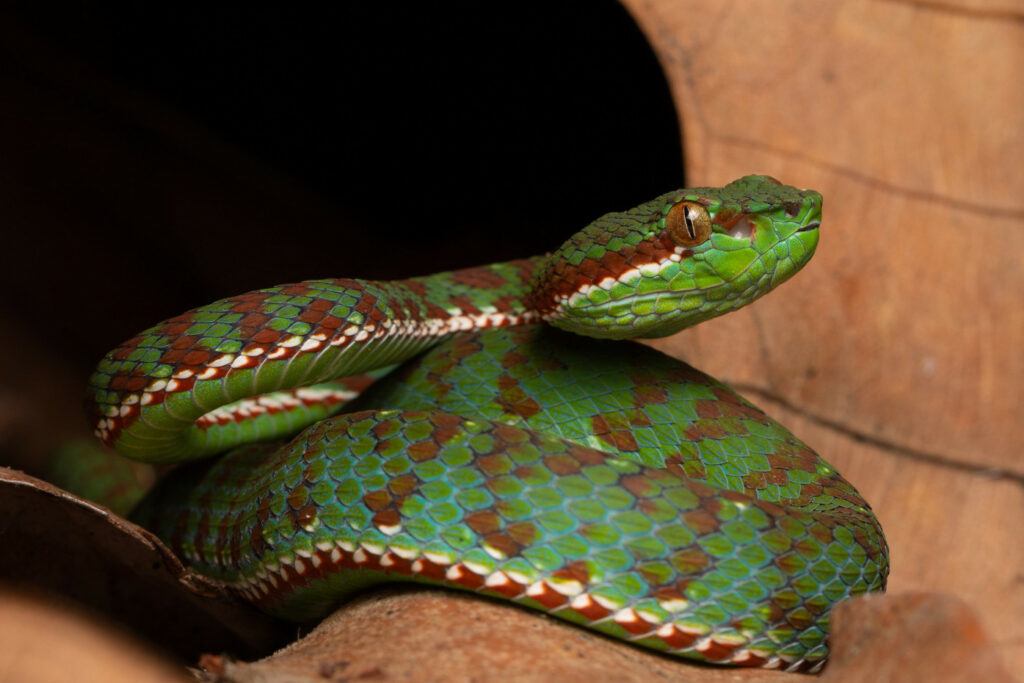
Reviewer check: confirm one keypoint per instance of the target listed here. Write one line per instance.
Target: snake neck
(198, 383)
(472, 299)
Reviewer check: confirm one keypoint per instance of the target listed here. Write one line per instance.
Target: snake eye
(688, 224)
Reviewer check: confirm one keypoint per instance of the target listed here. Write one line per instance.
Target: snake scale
(518, 450)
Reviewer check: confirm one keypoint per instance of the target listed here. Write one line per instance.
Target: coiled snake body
(599, 481)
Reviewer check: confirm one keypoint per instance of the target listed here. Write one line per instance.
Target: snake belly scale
(597, 480)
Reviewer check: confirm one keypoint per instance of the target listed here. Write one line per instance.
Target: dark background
(158, 158)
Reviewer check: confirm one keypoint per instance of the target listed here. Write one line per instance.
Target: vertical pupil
(689, 224)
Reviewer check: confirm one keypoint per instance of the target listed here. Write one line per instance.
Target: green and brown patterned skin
(599, 481)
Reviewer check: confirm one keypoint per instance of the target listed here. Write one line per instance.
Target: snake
(496, 430)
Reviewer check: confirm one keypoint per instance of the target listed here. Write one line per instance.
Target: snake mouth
(810, 226)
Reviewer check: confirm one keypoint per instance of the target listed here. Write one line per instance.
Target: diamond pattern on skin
(470, 502)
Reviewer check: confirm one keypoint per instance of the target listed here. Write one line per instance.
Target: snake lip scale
(490, 430)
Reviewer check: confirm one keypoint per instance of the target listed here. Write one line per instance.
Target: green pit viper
(518, 452)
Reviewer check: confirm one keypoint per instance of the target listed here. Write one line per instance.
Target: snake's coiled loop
(599, 481)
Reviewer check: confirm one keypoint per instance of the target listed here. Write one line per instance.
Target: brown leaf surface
(42, 641)
(911, 637)
(419, 634)
(61, 544)
(429, 635)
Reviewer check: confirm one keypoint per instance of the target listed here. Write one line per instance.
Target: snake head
(677, 260)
